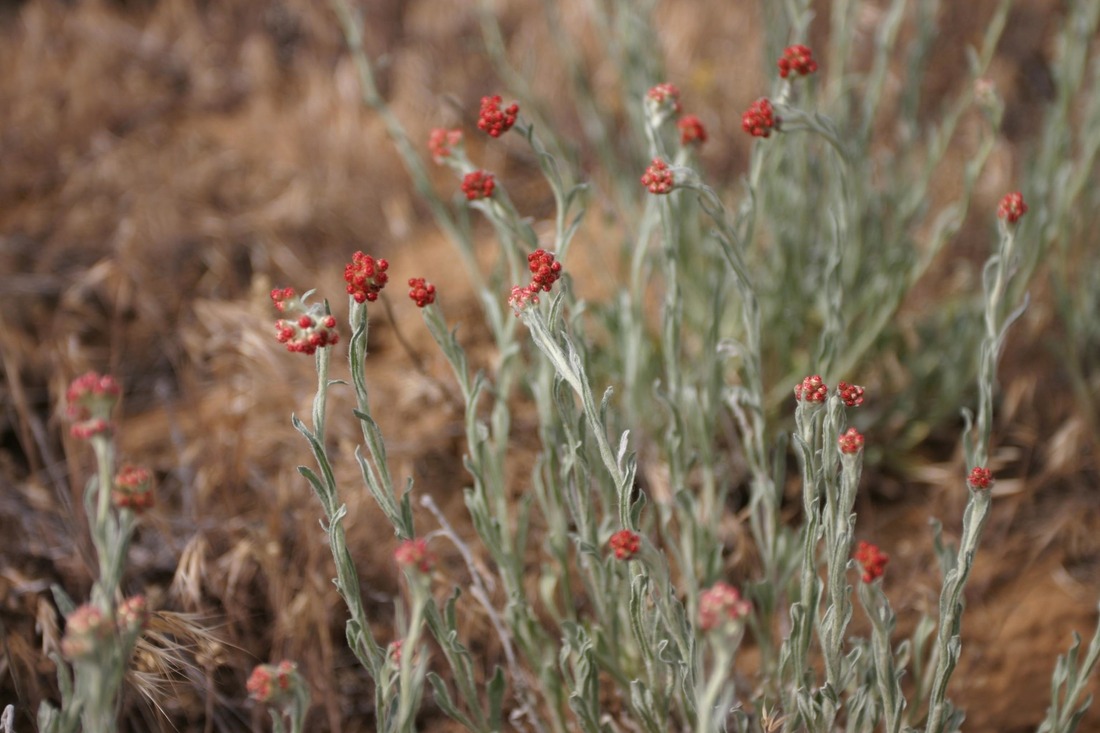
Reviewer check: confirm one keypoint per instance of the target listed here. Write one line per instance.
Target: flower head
(86, 630)
(980, 478)
(625, 544)
(307, 328)
(658, 177)
(274, 683)
(421, 291)
(692, 131)
(414, 554)
(133, 489)
(520, 297)
(544, 270)
(132, 614)
(442, 143)
(493, 120)
(662, 103)
(365, 277)
(478, 185)
(798, 59)
(850, 442)
(721, 605)
(393, 651)
(90, 399)
(759, 120)
(872, 560)
(1012, 207)
(852, 394)
(811, 389)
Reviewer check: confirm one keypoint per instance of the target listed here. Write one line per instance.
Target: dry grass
(165, 163)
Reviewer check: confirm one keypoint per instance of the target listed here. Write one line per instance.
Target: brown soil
(165, 163)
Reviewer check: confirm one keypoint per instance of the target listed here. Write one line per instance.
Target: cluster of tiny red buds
(798, 59)
(86, 630)
(493, 120)
(692, 131)
(1012, 207)
(980, 478)
(812, 389)
(721, 605)
(544, 270)
(478, 185)
(280, 297)
(665, 96)
(421, 291)
(851, 394)
(520, 297)
(442, 143)
(90, 399)
(414, 554)
(132, 614)
(394, 650)
(365, 277)
(306, 334)
(658, 177)
(625, 544)
(271, 683)
(759, 120)
(850, 442)
(133, 489)
(872, 560)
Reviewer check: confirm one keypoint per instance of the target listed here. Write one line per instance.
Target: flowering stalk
(995, 278)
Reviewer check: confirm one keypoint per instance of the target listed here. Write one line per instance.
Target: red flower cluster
(365, 277)
(414, 554)
(478, 185)
(760, 118)
(442, 143)
(520, 297)
(665, 95)
(719, 605)
(132, 614)
(658, 177)
(812, 389)
(850, 442)
(90, 399)
(493, 120)
(625, 544)
(307, 334)
(421, 291)
(798, 59)
(872, 560)
(270, 683)
(692, 131)
(980, 478)
(1012, 207)
(86, 630)
(852, 394)
(544, 270)
(133, 489)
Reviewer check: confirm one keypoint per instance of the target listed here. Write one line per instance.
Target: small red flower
(812, 389)
(442, 143)
(86, 631)
(658, 177)
(133, 489)
(478, 185)
(365, 277)
(692, 131)
(719, 605)
(280, 297)
(421, 291)
(980, 478)
(90, 399)
(625, 544)
(132, 614)
(307, 328)
(544, 270)
(798, 59)
(1012, 207)
(872, 560)
(665, 96)
(414, 554)
(493, 120)
(852, 394)
(394, 650)
(270, 683)
(851, 441)
(760, 119)
(520, 297)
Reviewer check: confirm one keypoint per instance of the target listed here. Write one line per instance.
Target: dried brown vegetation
(165, 163)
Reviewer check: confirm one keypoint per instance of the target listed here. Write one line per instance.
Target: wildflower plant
(631, 602)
